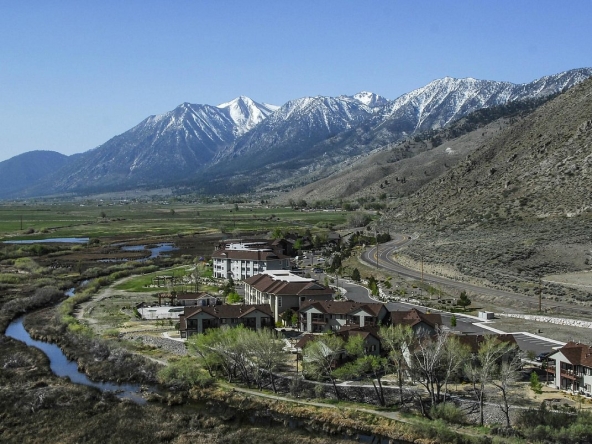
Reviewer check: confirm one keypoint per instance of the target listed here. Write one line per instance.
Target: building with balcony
(241, 260)
(570, 368)
(320, 316)
(195, 320)
(284, 291)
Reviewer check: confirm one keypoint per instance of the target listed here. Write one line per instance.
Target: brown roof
(577, 354)
(305, 340)
(227, 311)
(343, 307)
(353, 330)
(267, 284)
(253, 255)
(475, 341)
(414, 317)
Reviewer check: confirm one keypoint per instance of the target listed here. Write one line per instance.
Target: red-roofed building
(573, 367)
(283, 291)
(199, 319)
(320, 316)
(422, 323)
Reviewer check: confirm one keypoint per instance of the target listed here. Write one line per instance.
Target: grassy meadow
(97, 219)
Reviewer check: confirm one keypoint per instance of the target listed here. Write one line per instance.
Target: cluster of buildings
(271, 289)
(268, 295)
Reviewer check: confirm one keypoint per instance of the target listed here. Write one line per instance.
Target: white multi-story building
(573, 368)
(243, 260)
(284, 291)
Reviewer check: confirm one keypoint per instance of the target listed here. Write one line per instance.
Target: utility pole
(377, 253)
(421, 287)
(376, 237)
(540, 296)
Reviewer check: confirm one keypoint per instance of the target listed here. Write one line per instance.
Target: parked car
(542, 356)
(317, 270)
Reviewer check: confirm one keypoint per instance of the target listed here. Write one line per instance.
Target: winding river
(63, 367)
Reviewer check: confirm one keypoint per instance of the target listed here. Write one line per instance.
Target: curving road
(384, 260)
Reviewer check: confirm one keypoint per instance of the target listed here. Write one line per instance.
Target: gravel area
(167, 344)
(564, 333)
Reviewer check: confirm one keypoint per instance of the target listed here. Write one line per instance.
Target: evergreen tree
(463, 301)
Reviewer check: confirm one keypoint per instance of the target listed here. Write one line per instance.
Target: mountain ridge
(246, 145)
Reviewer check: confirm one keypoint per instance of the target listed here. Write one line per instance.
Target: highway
(384, 261)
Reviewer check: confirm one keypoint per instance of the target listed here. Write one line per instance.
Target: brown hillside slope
(396, 171)
(517, 209)
(540, 167)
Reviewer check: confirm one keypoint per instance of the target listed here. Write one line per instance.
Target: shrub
(185, 371)
(448, 412)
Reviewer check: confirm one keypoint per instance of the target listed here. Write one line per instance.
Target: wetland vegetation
(191, 407)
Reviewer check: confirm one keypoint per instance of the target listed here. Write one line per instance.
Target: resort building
(320, 316)
(284, 291)
(195, 320)
(241, 260)
(571, 368)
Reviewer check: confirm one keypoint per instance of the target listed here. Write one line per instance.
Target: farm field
(135, 219)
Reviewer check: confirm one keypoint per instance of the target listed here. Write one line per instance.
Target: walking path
(391, 415)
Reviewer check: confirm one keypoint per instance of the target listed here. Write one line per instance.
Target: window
(279, 301)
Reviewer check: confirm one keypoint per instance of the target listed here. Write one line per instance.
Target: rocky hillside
(401, 169)
(540, 167)
(515, 210)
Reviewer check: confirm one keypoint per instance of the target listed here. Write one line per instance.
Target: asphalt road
(384, 260)
(467, 325)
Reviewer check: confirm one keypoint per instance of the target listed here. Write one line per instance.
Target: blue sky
(73, 74)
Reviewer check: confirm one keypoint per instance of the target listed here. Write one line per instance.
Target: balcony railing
(566, 373)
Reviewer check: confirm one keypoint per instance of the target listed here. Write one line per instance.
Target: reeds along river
(63, 367)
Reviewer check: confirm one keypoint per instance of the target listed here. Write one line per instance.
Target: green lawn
(44, 220)
(142, 283)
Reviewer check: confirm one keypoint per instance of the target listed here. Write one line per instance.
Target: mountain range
(243, 145)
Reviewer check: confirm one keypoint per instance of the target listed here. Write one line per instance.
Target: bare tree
(396, 340)
(319, 358)
(455, 355)
(427, 358)
(506, 378)
(483, 366)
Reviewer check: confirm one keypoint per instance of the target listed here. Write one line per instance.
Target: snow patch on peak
(370, 99)
(246, 113)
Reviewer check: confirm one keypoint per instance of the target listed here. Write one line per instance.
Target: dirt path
(83, 310)
(395, 416)
(391, 415)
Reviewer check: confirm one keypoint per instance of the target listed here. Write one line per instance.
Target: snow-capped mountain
(212, 146)
(297, 125)
(163, 148)
(245, 113)
(445, 100)
(370, 99)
